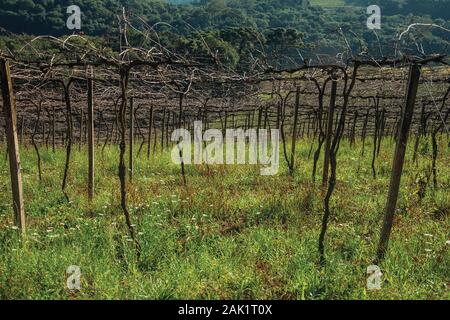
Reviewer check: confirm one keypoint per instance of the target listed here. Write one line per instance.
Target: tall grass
(231, 234)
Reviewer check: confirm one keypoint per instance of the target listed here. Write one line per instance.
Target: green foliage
(285, 30)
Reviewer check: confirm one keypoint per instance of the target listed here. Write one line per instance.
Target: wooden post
(9, 112)
(399, 157)
(90, 127)
(131, 138)
(326, 162)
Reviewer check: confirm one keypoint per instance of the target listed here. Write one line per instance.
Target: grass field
(231, 234)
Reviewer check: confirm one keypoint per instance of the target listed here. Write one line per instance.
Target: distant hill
(285, 25)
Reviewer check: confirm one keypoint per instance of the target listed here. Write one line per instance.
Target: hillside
(285, 25)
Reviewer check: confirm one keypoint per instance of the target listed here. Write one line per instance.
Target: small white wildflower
(428, 235)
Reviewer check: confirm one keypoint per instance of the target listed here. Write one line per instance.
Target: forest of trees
(281, 26)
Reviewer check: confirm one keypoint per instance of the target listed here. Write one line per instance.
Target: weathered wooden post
(90, 129)
(9, 112)
(399, 157)
(328, 137)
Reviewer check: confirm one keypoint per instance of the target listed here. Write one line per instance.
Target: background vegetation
(295, 28)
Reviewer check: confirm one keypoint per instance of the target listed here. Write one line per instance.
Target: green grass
(231, 234)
